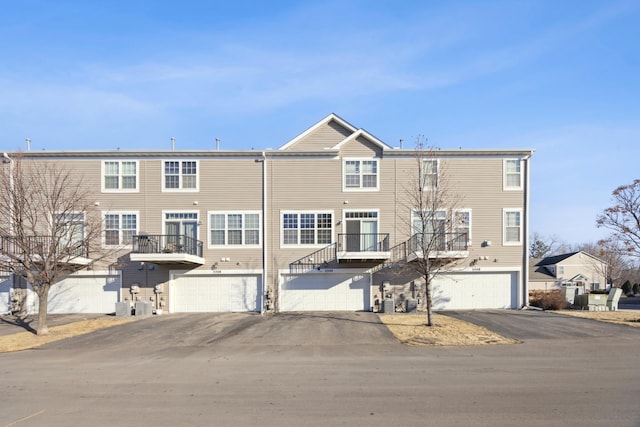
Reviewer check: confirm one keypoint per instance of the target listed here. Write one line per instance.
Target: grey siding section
(324, 137)
(360, 147)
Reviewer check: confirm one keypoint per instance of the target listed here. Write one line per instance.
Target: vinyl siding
(304, 182)
(360, 147)
(324, 137)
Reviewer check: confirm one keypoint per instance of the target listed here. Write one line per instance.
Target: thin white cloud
(62, 99)
(292, 59)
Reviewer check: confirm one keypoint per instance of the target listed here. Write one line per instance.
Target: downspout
(264, 233)
(525, 251)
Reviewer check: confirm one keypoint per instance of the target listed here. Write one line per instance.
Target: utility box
(411, 305)
(123, 308)
(613, 299)
(388, 306)
(143, 308)
(570, 292)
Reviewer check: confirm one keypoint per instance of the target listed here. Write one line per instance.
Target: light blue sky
(561, 77)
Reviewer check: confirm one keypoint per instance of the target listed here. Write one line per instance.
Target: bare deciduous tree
(542, 246)
(49, 227)
(623, 218)
(439, 229)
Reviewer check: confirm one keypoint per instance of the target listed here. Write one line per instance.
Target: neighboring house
(318, 224)
(577, 269)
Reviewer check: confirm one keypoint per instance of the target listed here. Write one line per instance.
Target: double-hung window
(512, 174)
(234, 229)
(180, 175)
(512, 227)
(119, 228)
(429, 174)
(306, 228)
(119, 176)
(360, 174)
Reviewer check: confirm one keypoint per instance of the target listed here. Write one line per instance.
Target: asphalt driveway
(527, 325)
(183, 333)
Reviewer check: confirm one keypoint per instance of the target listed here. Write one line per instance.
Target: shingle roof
(539, 273)
(551, 260)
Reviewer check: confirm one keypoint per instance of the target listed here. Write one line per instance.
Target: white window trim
(437, 173)
(181, 211)
(120, 213)
(505, 187)
(344, 217)
(360, 189)
(504, 227)
(345, 211)
(120, 190)
(470, 223)
(227, 245)
(291, 211)
(180, 189)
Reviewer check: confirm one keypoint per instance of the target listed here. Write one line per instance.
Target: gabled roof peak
(362, 133)
(355, 133)
(324, 121)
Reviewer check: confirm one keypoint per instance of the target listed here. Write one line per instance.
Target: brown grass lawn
(411, 329)
(26, 340)
(625, 317)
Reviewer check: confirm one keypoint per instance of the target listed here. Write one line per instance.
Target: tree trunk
(428, 296)
(43, 297)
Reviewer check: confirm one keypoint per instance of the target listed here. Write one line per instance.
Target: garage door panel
(324, 292)
(474, 291)
(80, 294)
(212, 294)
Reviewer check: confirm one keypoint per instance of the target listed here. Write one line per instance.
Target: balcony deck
(39, 247)
(442, 246)
(166, 249)
(363, 247)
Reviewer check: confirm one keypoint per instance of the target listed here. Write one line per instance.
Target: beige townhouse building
(325, 222)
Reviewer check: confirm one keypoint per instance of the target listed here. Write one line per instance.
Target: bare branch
(623, 218)
(49, 227)
(438, 227)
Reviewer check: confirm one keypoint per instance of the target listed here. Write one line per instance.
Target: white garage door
(211, 294)
(475, 291)
(325, 292)
(5, 294)
(86, 293)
